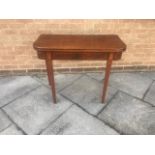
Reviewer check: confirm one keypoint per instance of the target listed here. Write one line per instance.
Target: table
(78, 47)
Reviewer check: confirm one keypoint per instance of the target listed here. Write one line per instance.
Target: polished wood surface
(50, 73)
(107, 73)
(79, 55)
(78, 47)
(99, 43)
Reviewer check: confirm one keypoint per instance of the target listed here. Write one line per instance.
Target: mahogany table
(78, 47)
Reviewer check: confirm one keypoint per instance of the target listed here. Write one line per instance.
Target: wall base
(76, 70)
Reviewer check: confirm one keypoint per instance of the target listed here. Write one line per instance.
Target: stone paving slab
(76, 121)
(4, 121)
(61, 80)
(15, 86)
(97, 76)
(34, 111)
(150, 75)
(131, 83)
(11, 130)
(87, 93)
(150, 96)
(129, 115)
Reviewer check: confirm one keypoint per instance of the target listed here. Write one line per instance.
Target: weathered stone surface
(150, 75)
(129, 115)
(31, 108)
(97, 76)
(4, 121)
(35, 111)
(15, 86)
(61, 80)
(87, 93)
(11, 130)
(131, 83)
(76, 121)
(150, 96)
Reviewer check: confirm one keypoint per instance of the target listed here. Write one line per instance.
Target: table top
(100, 43)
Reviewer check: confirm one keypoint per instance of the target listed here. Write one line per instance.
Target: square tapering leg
(107, 74)
(50, 73)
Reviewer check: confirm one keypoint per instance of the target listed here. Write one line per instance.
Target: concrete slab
(61, 80)
(97, 76)
(150, 96)
(129, 115)
(77, 122)
(15, 86)
(34, 111)
(11, 130)
(87, 93)
(131, 83)
(31, 108)
(4, 121)
(150, 75)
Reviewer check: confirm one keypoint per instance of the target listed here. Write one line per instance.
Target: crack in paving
(147, 90)
(91, 114)
(106, 104)
(5, 128)
(55, 120)
(13, 122)
(26, 93)
(96, 79)
(136, 98)
(48, 86)
(71, 83)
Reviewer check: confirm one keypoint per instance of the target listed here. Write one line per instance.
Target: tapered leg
(107, 73)
(50, 73)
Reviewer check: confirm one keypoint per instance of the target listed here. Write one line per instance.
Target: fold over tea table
(78, 47)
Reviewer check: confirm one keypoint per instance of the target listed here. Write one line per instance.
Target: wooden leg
(50, 73)
(107, 73)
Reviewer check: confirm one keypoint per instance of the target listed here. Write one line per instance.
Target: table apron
(80, 55)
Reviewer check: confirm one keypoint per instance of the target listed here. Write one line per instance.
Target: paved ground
(26, 104)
